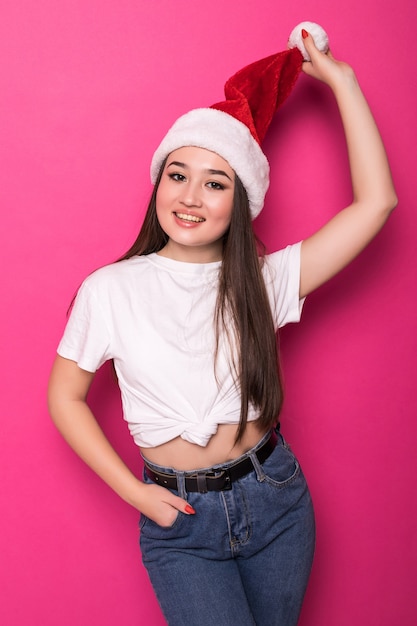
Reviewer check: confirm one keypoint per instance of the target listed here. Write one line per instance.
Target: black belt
(215, 480)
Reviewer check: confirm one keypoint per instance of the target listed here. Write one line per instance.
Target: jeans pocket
(154, 529)
(281, 468)
(146, 521)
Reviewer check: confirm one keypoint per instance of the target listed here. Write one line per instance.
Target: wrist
(345, 83)
(133, 492)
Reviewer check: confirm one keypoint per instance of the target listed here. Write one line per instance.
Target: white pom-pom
(316, 31)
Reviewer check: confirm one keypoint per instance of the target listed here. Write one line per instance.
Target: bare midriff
(183, 455)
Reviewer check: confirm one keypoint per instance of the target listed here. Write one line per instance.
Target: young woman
(189, 317)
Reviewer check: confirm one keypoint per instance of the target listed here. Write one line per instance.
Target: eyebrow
(209, 171)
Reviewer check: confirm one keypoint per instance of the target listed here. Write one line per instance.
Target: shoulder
(115, 273)
(282, 261)
(112, 282)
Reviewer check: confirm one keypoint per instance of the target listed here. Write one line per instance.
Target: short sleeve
(86, 339)
(282, 279)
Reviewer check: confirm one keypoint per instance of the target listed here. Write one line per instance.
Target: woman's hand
(324, 67)
(160, 505)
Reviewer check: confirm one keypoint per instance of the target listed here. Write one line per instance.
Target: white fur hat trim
(223, 134)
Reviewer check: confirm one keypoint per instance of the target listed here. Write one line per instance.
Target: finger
(311, 48)
(308, 69)
(180, 504)
(308, 42)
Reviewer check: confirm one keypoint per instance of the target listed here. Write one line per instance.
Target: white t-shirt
(155, 318)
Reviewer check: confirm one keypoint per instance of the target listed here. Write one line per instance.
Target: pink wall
(86, 90)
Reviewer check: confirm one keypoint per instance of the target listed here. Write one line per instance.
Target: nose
(190, 195)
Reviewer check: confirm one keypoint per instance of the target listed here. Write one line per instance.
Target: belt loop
(182, 491)
(257, 466)
(202, 483)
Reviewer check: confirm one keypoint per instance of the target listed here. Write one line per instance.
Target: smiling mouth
(189, 218)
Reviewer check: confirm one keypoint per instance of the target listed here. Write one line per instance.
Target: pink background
(87, 88)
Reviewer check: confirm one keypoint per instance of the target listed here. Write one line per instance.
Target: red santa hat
(236, 127)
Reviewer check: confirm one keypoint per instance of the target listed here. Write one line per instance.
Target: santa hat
(235, 128)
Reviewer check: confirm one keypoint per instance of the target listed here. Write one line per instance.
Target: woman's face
(194, 204)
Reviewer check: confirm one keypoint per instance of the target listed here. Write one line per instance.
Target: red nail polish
(189, 509)
(304, 33)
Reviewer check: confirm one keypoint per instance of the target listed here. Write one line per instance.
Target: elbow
(391, 202)
(386, 205)
(391, 199)
(53, 406)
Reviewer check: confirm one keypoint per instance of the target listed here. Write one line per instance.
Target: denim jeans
(244, 558)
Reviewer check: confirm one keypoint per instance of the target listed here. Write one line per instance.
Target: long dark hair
(242, 299)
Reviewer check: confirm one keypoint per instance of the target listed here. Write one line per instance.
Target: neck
(192, 254)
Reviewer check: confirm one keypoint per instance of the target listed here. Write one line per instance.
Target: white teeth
(189, 218)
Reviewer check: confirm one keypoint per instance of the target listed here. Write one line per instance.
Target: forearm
(78, 426)
(67, 393)
(370, 172)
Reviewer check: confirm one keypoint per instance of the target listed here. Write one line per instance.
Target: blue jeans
(244, 558)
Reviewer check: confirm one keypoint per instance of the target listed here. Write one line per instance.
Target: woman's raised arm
(337, 243)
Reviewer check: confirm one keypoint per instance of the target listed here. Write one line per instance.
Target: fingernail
(189, 509)
(304, 33)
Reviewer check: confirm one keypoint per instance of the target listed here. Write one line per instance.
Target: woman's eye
(177, 177)
(215, 185)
